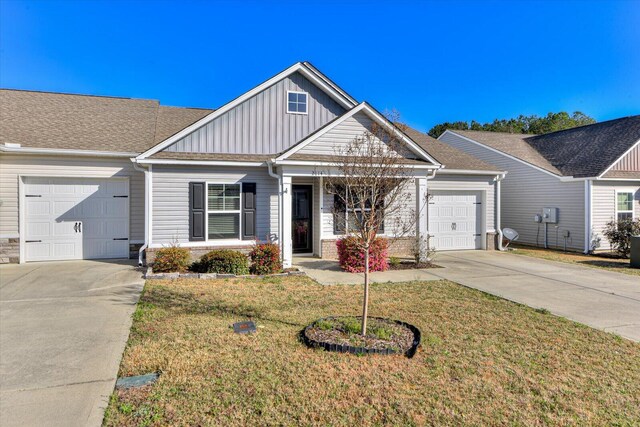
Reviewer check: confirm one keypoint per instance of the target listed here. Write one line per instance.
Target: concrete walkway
(63, 328)
(602, 299)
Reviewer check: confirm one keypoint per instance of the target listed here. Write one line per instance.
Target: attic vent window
(297, 102)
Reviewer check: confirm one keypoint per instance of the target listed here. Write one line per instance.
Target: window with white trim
(346, 221)
(223, 211)
(624, 205)
(297, 102)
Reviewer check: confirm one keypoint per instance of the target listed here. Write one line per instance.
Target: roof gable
(304, 69)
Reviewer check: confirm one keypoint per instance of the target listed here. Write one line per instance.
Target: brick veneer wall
(9, 251)
(400, 248)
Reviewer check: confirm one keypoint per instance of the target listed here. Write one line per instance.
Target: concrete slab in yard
(63, 328)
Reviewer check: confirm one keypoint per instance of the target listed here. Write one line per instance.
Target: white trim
(306, 104)
(326, 79)
(372, 114)
(446, 171)
(619, 179)
(619, 158)
(209, 243)
(632, 210)
(197, 162)
(239, 212)
(588, 215)
(297, 67)
(149, 188)
(329, 164)
(504, 154)
(64, 152)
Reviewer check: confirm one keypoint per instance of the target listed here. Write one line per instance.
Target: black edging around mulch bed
(340, 348)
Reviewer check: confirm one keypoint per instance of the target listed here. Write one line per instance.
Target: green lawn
(484, 360)
(606, 261)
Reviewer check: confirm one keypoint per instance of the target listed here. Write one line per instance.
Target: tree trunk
(365, 304)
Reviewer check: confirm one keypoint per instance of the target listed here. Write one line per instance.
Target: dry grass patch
(606, 261)
(484, 360)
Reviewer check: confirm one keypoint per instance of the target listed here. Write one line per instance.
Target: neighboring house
(590, 173)
(101, 177)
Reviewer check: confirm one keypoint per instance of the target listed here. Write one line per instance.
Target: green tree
(522, 124)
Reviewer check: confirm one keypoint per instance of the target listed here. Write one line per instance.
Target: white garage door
(76, 218)
(455, 220)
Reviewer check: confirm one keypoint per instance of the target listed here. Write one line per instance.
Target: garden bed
(411, 265)
(343, 334)
(191, 275)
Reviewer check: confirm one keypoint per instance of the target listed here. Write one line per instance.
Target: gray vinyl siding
(484, 184)
(13, 165)
(525, 191)
(603, 202)
(335, 140)
(630, 162)
(261, 124)
(170, 211)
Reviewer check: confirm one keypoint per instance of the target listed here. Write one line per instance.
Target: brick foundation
(9, 251)
(399, 248)
(492, 241)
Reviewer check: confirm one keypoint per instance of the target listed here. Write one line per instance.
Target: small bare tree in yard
(369, 179)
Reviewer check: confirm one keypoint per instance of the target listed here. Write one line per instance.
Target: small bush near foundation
(171, 259)
(619, 234)
(265, 259)
(222, 261)
(351, 255)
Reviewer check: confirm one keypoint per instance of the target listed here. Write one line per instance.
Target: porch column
(422, 205)
(287, 248)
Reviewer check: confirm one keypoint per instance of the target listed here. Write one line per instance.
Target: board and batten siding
(170, 211)
(603, 202)
(261, 124)
(14, 165)
(525, 191)
(485, 184)
(630, 162)
(338, 138)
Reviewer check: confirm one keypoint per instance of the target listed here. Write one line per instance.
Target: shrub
(171, 259)
(351, 255)
(222, 261)
(265, 259)
(619, 233)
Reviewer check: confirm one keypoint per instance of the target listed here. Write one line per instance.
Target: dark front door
(301, 219)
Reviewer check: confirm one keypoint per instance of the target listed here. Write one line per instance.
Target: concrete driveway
(63, 328)
(602, 299)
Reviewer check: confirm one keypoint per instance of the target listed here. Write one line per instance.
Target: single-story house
(586, 177)
(103, 177)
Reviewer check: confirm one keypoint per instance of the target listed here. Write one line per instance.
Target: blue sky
(433, 61)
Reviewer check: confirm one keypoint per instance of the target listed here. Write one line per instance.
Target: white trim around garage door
(22, 210)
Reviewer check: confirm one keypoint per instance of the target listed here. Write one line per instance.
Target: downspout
(279, 178)
(146, 210)
(588, 217)
(499, 179)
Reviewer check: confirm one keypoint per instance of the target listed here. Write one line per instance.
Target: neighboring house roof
(585, 151)
(84, 122)
(510, 143)
(450, 157)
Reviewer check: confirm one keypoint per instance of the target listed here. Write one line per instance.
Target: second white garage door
(75, 218)
(455, 220)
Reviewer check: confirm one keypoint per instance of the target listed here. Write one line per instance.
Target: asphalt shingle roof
(584, 151)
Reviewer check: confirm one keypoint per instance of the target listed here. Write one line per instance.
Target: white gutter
(588, 216)
(147, 208)
(498, 179)
(468, 172)
(280, 190)
(63, 152)
(197, 162)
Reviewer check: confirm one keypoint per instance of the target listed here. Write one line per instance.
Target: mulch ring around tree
(343, 334)
(411, 265)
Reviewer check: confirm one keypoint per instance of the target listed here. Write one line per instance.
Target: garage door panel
(61, 203)
(455, 220)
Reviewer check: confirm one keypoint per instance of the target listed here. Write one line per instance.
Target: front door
(301, 219)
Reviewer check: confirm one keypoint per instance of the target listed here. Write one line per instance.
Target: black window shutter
(197, 211)
(248, 210)
(339, 214)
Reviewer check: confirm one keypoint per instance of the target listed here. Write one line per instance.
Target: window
(296, 102)
(624, 205)
(223, 211)
(348, 219)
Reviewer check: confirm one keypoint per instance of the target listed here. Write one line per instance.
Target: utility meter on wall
(550, 215)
